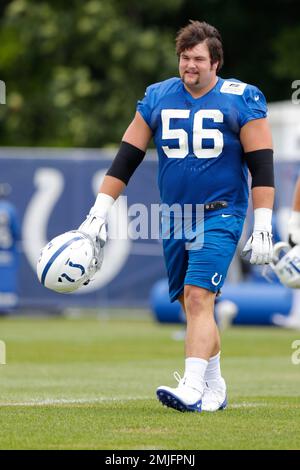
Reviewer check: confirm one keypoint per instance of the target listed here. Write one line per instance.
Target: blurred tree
(287, 47)
(74, 69)
(259, 40)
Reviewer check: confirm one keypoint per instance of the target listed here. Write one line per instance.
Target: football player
(208, 132)
(293, 319)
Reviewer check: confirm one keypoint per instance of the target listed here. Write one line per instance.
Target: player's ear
(215, 66)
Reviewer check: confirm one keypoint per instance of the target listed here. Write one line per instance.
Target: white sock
(195, 370)
(213, 370)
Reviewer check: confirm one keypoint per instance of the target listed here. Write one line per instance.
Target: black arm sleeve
(126, 162)
(261, 167)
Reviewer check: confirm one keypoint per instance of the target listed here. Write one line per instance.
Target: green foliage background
(74, 69)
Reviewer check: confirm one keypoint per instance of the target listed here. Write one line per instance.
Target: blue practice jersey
(197, 140)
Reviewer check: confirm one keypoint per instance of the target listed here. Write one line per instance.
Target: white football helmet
(286, 264)
(69, 261)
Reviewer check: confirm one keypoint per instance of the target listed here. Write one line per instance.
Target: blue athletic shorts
(205, 263)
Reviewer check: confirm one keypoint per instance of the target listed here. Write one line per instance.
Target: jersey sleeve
(146, 105)
(253, 105)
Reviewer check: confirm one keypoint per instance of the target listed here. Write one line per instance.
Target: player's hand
(95, 227)
(260, 246)
(95, 223)
(294, 229)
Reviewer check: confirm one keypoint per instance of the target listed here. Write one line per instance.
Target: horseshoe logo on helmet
(49, 185)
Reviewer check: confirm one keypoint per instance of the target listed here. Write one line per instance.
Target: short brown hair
(196, 32)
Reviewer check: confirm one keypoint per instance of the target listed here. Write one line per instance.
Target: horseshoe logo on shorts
(215, 282)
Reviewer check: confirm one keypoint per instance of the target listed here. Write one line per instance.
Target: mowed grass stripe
(90, 384)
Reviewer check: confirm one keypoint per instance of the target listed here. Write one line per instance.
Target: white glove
(260, 242)
(94, 224)
(294, 228)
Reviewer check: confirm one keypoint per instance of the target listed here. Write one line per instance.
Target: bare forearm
(112, 186)
(263, 196)
(131, 153)
(296, 201)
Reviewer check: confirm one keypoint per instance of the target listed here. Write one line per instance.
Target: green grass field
(90, 384)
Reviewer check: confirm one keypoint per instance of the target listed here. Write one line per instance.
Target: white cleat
(214, 396)
(187, 396)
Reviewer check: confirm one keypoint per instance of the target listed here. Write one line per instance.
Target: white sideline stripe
(248, 405)
(67, 401)
(86, 401)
